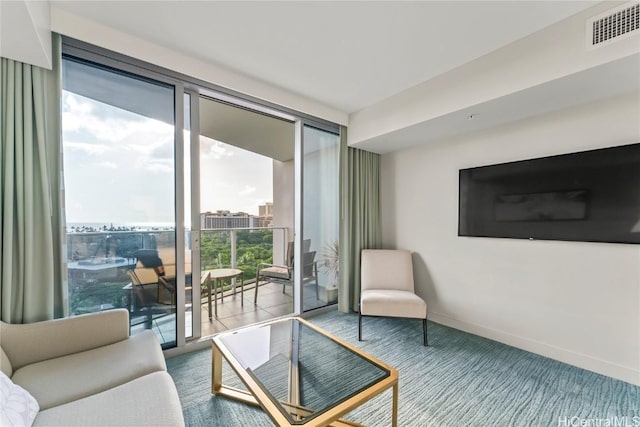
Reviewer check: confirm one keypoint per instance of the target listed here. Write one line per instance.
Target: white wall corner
(577, 302)
(25, 32)
(554, 53)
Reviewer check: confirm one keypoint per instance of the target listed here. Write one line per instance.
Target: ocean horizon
(128, 225)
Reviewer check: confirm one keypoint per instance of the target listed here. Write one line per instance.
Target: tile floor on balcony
(272, 302)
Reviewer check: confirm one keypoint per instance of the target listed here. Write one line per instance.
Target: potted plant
(330, 261)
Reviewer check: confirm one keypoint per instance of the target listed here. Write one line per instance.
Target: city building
(222, 219)
(265, 214)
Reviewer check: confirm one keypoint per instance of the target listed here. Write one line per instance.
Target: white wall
(24, 32)
(283, 207)
(572, 301)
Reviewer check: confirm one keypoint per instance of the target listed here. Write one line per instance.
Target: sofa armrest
(35, 342)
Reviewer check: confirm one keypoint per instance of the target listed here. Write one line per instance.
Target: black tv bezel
(460, 171)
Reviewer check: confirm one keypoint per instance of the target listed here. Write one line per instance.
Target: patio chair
(284, 273)
(147, 292)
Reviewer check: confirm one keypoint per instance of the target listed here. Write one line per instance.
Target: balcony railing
(242, 248)
(99, 260)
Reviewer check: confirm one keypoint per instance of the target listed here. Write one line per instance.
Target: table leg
(209, 296)
(215, 300)
(242, 289)
(394, 410)
(216, 369)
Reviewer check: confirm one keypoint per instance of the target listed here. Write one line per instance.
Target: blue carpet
(459, 380)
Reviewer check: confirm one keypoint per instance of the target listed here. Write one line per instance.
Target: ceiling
(248, 130)
(619, 77)
(346, 55)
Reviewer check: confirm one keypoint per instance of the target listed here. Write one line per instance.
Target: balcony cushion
(275, 272)
(151, 400)
(392, 303)
(64, 379)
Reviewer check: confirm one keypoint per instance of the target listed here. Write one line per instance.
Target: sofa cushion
(5, 364)
(64, 379)
(17, 407)
(151, 400)
(29, 343)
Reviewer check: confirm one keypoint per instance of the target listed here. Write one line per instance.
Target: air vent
(614, 24)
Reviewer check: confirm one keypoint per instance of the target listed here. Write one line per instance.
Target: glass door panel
(119, 172)
(246, 214)
(320, 225)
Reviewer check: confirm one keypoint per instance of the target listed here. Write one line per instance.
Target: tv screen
(591, 196)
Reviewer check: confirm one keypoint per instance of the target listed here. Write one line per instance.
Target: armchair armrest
(266, 264)
(35, 342)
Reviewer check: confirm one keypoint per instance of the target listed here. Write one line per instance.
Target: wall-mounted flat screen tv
(590, 196)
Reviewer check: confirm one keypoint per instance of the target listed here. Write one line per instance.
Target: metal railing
(242, 248)
(99, 260)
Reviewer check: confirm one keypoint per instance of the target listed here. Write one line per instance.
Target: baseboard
(583, 361)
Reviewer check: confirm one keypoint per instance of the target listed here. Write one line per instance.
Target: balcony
(101, 262)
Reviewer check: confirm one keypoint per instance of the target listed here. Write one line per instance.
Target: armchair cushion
(65, 379)
(392, 303)
(386, 269)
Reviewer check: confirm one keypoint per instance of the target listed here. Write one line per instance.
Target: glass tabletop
(303, 371)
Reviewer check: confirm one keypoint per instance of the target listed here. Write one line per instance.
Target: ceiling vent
(614, 24)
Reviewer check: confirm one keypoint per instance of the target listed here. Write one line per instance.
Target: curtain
(32, 275)
(360, 226)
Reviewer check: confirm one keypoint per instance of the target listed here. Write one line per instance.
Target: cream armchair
(387, 288)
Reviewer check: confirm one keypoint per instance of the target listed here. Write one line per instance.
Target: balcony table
(216, 275)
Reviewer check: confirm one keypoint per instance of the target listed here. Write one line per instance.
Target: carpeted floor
(459, 380)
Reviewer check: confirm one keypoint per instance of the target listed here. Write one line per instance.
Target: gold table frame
(258, 397)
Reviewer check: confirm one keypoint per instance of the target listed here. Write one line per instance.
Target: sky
(119, 168)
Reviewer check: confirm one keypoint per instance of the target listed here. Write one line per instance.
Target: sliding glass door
(168, 184)
(119, 172)
(320, 225)
(245, 220)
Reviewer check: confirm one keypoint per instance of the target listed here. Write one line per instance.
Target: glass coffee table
(299, 374)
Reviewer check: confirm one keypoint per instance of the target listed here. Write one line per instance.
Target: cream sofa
(87, 371)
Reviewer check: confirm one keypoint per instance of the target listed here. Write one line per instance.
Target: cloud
(107, 123)
(107, 165)
(248, 189)
(212, 149)
(162, 150)
(158, 165)
(86, 147)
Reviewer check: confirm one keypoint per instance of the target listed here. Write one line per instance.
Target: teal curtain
(360, 226)
(32, 279)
